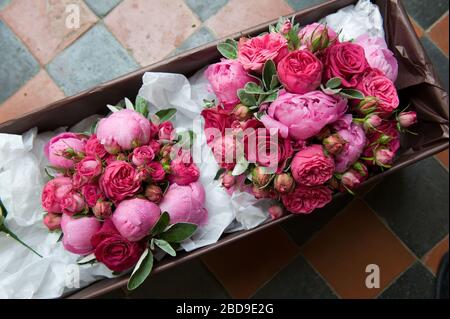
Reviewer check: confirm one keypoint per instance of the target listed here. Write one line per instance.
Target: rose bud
(284, 183)
(260, 177)
(361, 169)
(367, 105)
(334, 144)
(228, 180)
(275, 212)
(242, 112)
(384, 157)
(406, 119)
(154, 193)
(73, 203)
(286, 27)
(324, 133)
(260, 192)
(52, 221)
(372, 121)
(351, 179)
(102, 209)
(334, 183)
(317, 36)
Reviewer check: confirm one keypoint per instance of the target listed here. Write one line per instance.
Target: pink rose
(78, 232)
(92, 194)
(119, 181)
(156, 171)
(52, 221)
(143, 155)
(303, 200)
(228, 180)
(379, 56)
(406, 119)
(385, 136)
(384, 156)
(94, 148)
(166, 131)
(225, 79)
(63, 149)
(72, 203)
(286, 27)
(87, 170)
(311, 167)
(183, 170)
(134, 218)
(54, 192)
(300, 72)
(216, 121)
(303, 116)
(124, 130)
(102, 209)
(316, 36)
(383, 90)
(156, 147)
(254, 52)
(344, 60)
(185, 204)
(275, 212)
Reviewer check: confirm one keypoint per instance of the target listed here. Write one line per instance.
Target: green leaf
(141, 106)
(240, 167)
(129, 105)
(178, 232)
(352, 94)
(86, 259)
(274, 82)
(141, 270)
(219, 173)
(209, 103)
(271, 97)
(334, 83)
(166, 114)
(227, 50)
(294, 41)
(161, 224)
(164, 245)
(269, 70)
(253, 88)
(113, 108)
(245, 98)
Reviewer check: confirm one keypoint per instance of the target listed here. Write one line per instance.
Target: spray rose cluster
(300, 114)
(118, 190)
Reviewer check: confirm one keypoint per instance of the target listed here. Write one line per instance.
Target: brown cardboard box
(417, 84)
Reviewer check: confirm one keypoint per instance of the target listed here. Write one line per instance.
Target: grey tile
(302, 4)
(416, 283)
(303, 227)
(297, 280)
(439, 60)
(414, 203)
(95, 58)
(17, 65)
(426, 12)
(201, 36)
(205, 8)
(102, 7)
(189, 280)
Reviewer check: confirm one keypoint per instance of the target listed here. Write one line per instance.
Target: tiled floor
(323, 255)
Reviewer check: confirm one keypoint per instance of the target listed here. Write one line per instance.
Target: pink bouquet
(124, 190)
(300, 115)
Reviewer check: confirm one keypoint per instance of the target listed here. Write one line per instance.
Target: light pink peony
(316, 33)
(119, 181)
(54, 192)
(134, 218)
(185, 204)
(254, 52)
(303, 116)
(123, 130)
(304, 199)
(379, 56)
(63, 149)
(311, 167)
(78, 232)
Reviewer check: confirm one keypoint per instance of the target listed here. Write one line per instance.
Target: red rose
(345, 60)
(216, 120)
(311, 167)
(183, 170)
(304, 199)
(115, 251)
(94, 148)
(119, 181)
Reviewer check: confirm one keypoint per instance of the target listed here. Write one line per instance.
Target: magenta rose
(115, 251)
(92, 194)
(216, 121)
(316, 36)
(183, 170)
(156, 172)
(303, 116)
(304, 199)
(87, 170)
(225, 79)
(54, 192)
(156, 147)
(311, 167)
(346, 61)
(64, 149)
(300, 72)
(72, 203)
(94, 148)
(77, 233)
(124, 130)
(254, 52)
(166, 131)
(119, 181)
(143, 155)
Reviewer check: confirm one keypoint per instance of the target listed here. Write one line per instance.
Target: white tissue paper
(22, 162)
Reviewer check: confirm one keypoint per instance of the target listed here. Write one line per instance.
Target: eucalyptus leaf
(141, 106)
(253, 88)
(352, 94)
(178, 232)
(240, 167)
(128, 104)
(274, 82)
(227, 50)
(166, 114)
(269, 70)
(164, 245)
(271, 97)
(334, 83)
(246, 98)
(161, 224)
(141, 271)
(219, 173)
(113, 108)
(86, 259)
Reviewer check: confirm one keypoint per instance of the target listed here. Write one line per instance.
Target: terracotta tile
(244, 266)
(151, 29)
(439, 33)
(238, 15)
(433, 258)
(42, 25)
(38, 92)
(443, 158)
(348, 244)
(417, 27)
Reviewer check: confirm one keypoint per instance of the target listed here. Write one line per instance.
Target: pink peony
(134, 218)
(185, 204)
(183, 170)
(54, 192)
(143, 155)
(92, 194)
(311, 167)
(72, 203)
(123, 130)
(300, 72)
(303, 116)
(379, 56)
(304, 199)
(254, 52)
(316, 36)
(119, 181)
(94, 148)
(63, 149)
(78, 232)
(52, 221)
